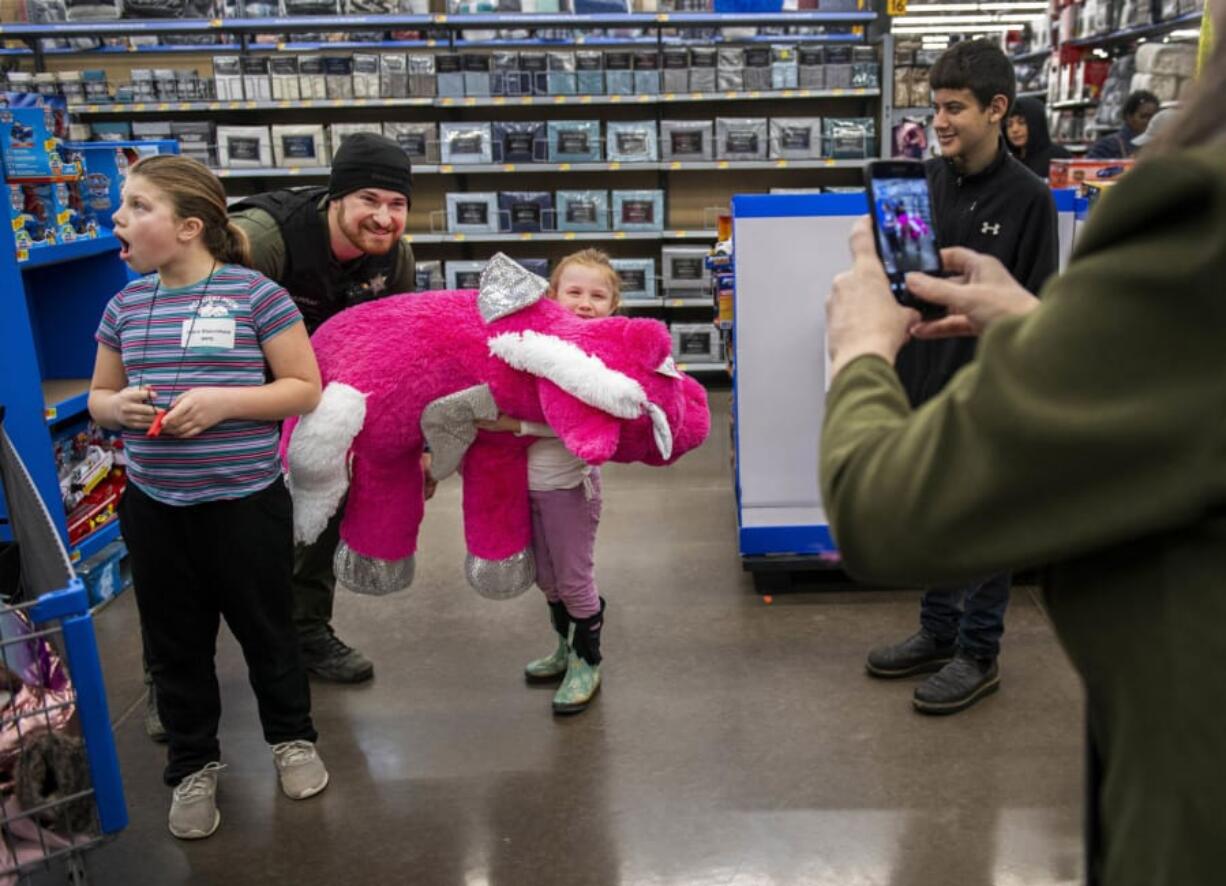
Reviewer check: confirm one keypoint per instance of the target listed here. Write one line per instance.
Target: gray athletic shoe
(301, 771)
(193, 806)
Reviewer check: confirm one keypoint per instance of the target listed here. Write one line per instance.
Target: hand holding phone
(904, 230)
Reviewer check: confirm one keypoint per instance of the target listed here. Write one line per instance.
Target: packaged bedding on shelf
(299, 145)
(638, 210)
(465, 143)
(795, 138)
(574, 141)
(696, 343)
(244, 146)
(520, 141)
(472, 213)
(638, 277)
(740, 138)
(284, 77)
(526, 212)
(684, 269)
(582, 210)
(631, 142)
(418, 140)
(683, 140)
(464, 274)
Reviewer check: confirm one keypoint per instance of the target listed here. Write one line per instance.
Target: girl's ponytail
(237, 249)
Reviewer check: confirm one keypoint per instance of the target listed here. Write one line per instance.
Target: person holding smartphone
(983, 199)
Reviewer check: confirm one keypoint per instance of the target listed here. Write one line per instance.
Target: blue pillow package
(525, 212)
(470, 213)
(583, 210)
(574, 141)
(538, 266)
(618, 77)
(638, 277)
(520, 142)
(638, 210)
(632, 142)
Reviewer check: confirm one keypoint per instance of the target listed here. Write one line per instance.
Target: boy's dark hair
(977, 65)
(1138, 98)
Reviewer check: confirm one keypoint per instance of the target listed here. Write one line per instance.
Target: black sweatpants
(191, 565)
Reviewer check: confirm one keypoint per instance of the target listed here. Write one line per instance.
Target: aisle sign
(896, 7)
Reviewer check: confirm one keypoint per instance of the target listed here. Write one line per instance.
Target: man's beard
(364, 240)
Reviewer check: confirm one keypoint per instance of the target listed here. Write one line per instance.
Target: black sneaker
(920, 653)
(329, 658)
(958, 685)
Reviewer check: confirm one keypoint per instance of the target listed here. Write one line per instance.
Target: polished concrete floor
(734, 743)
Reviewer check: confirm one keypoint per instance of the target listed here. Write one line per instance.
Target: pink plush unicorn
(424, 367)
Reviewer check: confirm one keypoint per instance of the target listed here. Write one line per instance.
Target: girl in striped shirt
(198, 361)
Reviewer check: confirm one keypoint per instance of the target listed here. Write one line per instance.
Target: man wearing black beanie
(332, 248)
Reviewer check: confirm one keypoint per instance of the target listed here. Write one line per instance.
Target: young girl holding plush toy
(565, 498)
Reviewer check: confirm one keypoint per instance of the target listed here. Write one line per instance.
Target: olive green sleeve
(1092, 422)
(406, 271)
(267, 244)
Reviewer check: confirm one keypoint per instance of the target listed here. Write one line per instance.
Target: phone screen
(906, 237)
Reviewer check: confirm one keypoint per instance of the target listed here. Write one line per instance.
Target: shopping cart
(60, 789)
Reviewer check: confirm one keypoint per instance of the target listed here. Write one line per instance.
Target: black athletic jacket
(1005, 211)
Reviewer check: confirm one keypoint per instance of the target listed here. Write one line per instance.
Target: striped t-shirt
(208, 334)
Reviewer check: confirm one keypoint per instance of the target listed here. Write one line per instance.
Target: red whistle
(155, 429)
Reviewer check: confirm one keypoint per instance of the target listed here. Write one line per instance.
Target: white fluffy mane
(580, 374)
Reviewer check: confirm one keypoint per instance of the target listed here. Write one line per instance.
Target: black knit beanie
(366, 160)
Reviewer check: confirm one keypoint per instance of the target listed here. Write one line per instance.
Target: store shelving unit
(1140, 32)
(51, 302)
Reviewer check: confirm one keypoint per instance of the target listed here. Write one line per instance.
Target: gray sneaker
(301, 771)
(193, 806)
(329, 658)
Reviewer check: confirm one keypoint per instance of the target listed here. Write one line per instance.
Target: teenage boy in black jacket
(986, 200)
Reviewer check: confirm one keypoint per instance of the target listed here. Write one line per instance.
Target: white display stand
(788, 248)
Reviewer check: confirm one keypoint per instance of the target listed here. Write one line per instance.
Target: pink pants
(564, 525)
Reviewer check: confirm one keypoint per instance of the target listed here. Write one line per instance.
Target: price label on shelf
(731, 94)
(459, 238)
(830, 161)
(164, 106)
(615, 99)
(723, 164)
(695, 96)
(138, 107)
(448, 102)
(782, 164)
(470, 102)
(614, 166)
(677, 303)
(214, 106)
(294, 170)
(682, 233)
(896, 7)
(91, 109)
(644, 99)
(787, 93)
(499, 101)
(676, 164)
(526, 236)
(619, 235)
(510, 167)
(284, 104)
(234, 106)
(559, 99)
(838, 90)
(527, 100)
(563, 167)
(446, 168)
(569, 235)
(586, 100)
(361, 103)
(185, 106)
(670, 96)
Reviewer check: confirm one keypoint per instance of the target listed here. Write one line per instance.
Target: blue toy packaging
(31, 140)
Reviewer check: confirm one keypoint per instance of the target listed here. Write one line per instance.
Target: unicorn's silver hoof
(370, 575)
(501, 579)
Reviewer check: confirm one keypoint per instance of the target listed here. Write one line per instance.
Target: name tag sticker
(214, 333)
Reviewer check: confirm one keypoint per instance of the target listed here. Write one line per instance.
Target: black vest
(319, 285)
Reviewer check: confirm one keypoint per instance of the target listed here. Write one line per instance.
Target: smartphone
(903, 226)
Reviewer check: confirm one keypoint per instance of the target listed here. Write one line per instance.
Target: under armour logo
(988, 228)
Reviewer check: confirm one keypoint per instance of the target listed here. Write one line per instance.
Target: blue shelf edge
(121, 27)
(75, 405)
(45, 256)
(95, 541)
